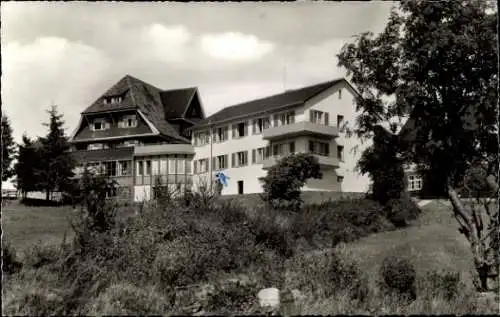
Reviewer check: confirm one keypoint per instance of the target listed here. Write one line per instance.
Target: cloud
(166, 44)
(46, 71)
(238, 47)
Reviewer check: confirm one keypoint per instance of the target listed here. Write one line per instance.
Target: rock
(297, 295)
(269, 297)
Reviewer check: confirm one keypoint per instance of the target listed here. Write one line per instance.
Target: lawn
(25, 226)
(433, 243)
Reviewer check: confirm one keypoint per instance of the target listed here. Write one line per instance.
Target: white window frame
(101, 121)
(181, 165)
(172, 166)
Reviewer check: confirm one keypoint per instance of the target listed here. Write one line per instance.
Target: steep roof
(178, 100)
(156, 105)
(274, 102)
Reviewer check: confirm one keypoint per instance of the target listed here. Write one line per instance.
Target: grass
(25, 226)
(433, 243)
(175, 260)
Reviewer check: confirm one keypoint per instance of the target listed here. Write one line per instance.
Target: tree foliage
(8, 149)
(27, 166)
(284, 180)
(56, 161)
(435, 62)
(383, 165)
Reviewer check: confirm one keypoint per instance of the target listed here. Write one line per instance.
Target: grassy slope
(24, 226)
(434, 243)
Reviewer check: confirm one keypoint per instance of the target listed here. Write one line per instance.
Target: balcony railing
(324, 161)
(300, 129)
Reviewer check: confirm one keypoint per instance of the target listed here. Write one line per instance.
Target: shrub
(326, 274)
(401, 211)
(339, 221)
(233, 296)
(283, 182)
(10, 264)
(445, 284)
(127, 299)
(42, 254)
(398, 276)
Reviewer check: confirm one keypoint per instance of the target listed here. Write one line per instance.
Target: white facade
(338, 172)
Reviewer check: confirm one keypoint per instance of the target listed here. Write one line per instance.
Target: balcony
(300, 129)
(124, 153)
(324, 161)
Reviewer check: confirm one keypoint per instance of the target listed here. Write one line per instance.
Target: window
(340, 93)
(340, 179)
(319, 117)
(414, 182)
(260, 154)
(260, 124)
(202, 166)
(340, 152)
(291, 147)
(128, 122)
(201, 138)
(111, 100)
(181, 166)
(284, 118)
(340, 123)
(220, 162)
(110, 168)
(240, 159)
(148, 168)
(140, 168)
(240, 187)
(319, 148)
(99, 125)
(163, 166)
(240, 130)
(95, 146)
(171, 166)
(124, 168)
(220, 134)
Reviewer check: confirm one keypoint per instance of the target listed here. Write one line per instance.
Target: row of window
(126, 122)
(163, 166)
(103, 146)
(240, 130)
(111, 168)
(240, 159)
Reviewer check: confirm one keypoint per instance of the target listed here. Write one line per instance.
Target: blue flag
(222, 178)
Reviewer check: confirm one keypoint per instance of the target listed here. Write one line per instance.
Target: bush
(284, 180)
(10, 264)
(339, 221)
(401, 211)
(326, 274)
(398, 276)
(42, 254)
(445, 284)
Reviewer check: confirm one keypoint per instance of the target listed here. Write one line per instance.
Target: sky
(70, 53)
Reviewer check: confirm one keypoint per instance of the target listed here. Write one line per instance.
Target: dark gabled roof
(274, 102)
(177, 101)
(147, 98)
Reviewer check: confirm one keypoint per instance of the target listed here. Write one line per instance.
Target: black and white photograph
(278, 158)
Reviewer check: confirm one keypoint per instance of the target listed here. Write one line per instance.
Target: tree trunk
(487, 268)
(47, 195)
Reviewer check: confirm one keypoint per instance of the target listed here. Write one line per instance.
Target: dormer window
(99, 125)
(128, 122)
(112, 100)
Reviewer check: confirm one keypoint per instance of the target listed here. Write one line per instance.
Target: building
(244, 140)
(149, 139)
(138, 135)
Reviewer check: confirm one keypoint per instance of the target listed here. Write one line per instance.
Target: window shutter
(195, 167)
(292, 117)
(311, 115)
(214, 163)
(275, 120)
(253, 156)
(245, 158)
(254, 126)
(226, 161)
(234, 131)
(326, 119)
(214, 135)
(233, 160)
